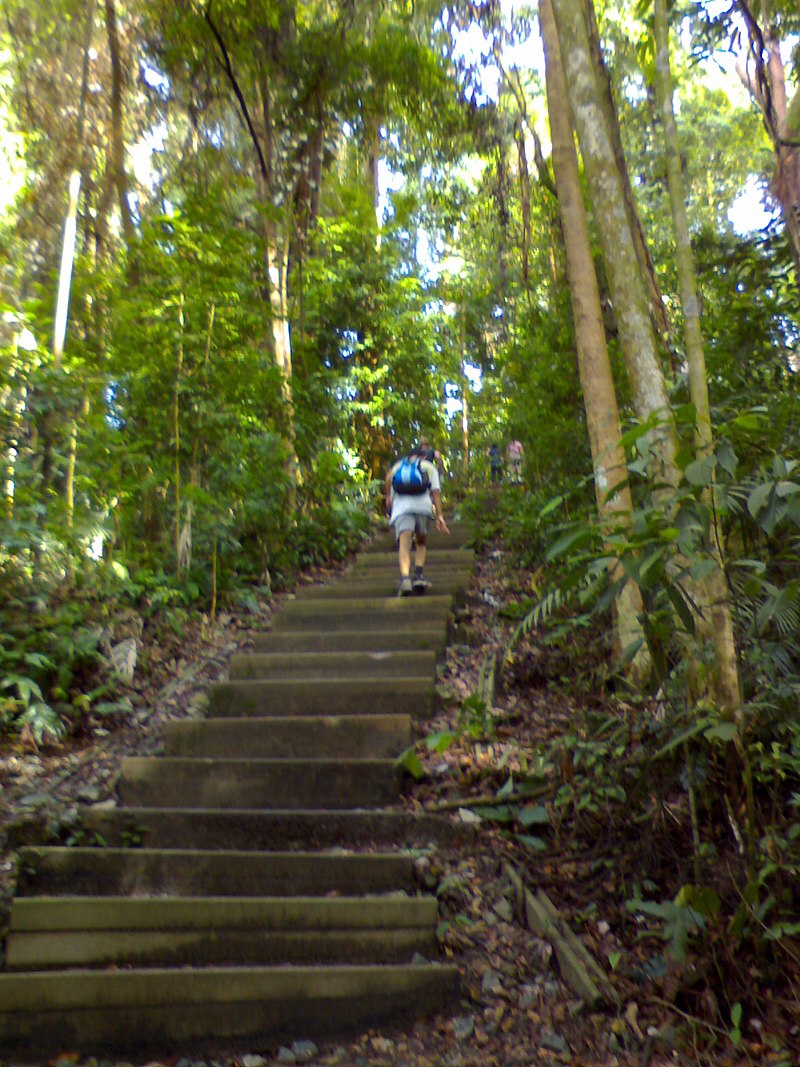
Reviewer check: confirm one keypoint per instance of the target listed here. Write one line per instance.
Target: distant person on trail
(412, 496)
(495, 464)
(514, 454)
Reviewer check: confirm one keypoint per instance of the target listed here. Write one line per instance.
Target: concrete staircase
(254, 882)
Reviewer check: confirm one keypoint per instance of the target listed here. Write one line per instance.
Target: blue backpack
(410, 479)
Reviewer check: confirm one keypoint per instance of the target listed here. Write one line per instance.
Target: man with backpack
(412, 496)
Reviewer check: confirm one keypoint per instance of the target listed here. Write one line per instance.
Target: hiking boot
(406, 588)
(421, 583)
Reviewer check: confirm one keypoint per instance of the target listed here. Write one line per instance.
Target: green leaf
(409, 762)
(682, 606)
(701, 471)
(534, 843)
(441, 741)
(533, 814)
(724, 731)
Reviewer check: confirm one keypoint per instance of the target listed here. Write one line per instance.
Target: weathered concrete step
(352, 736)
(76, 932)
(426, 636)
(460, 535)
(202, 873)
(394, 607)
(382, 584)
(441, 558)
(341, 696)
(286, 831)
(409, 620)
(329, 665)
(212, 1008)
(166, 782)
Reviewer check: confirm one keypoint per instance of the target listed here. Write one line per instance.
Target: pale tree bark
(720, 622)
(626, 283)
(636, 331)
(606, 99)
(762, 73)
(614, 503)
(117, 139)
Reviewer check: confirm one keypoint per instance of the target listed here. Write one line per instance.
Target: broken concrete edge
(578, 969)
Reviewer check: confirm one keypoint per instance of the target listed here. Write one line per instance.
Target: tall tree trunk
(766, 83)
(607, 189)
(614, 503)
(277, 256)
(720, 623)
(606, 100)
(117, 139)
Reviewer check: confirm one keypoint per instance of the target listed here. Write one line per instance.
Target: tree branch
(228, 67)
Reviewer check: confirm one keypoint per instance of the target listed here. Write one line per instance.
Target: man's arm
(436, 500)
(387, 495)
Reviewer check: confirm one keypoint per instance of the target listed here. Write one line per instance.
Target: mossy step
(417, 608)
(211, 1008)
(202, 873)
(80, 932)
(429, 636)
(381, 585)
(340, 696)
(385, 554)
(330, 665)
(284, 830)
(161, 781)
(353, 736)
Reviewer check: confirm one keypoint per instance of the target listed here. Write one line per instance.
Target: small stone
(418, 960)
(304, 1051)
(285, 1055)
(504, 910)
(253, 1060)
(105, 805)
(382, 1045)
(492, 983)
(468, 816)
(464, 1026)
(89, 794)
(528, 997)
(555, 1043)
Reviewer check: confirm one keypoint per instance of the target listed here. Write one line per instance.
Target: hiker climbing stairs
(256, 880)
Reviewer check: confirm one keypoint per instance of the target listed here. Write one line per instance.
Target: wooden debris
(578, 968)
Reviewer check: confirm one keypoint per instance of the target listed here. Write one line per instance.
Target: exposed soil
(514, 1008)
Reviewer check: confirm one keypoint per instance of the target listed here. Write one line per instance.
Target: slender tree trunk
(176, 435)
(766, 83)
(614, 503)
(626, 283)
(280, 338)
(72, 460)
(720, 623)
(117, 139)
(606, 100)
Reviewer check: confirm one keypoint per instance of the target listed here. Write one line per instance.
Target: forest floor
(514, 1007)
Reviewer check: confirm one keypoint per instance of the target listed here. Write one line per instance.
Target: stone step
(441, 558)
(331, 665)
(167, 782)
(213, 1008)
(460, 535)
(423, 637)
(207, 931)
(286, 831)
(433, 606)
(348, 663)
(201, 873)
(353, 736)
(382, 585)
(364, 613)
(392, 696)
